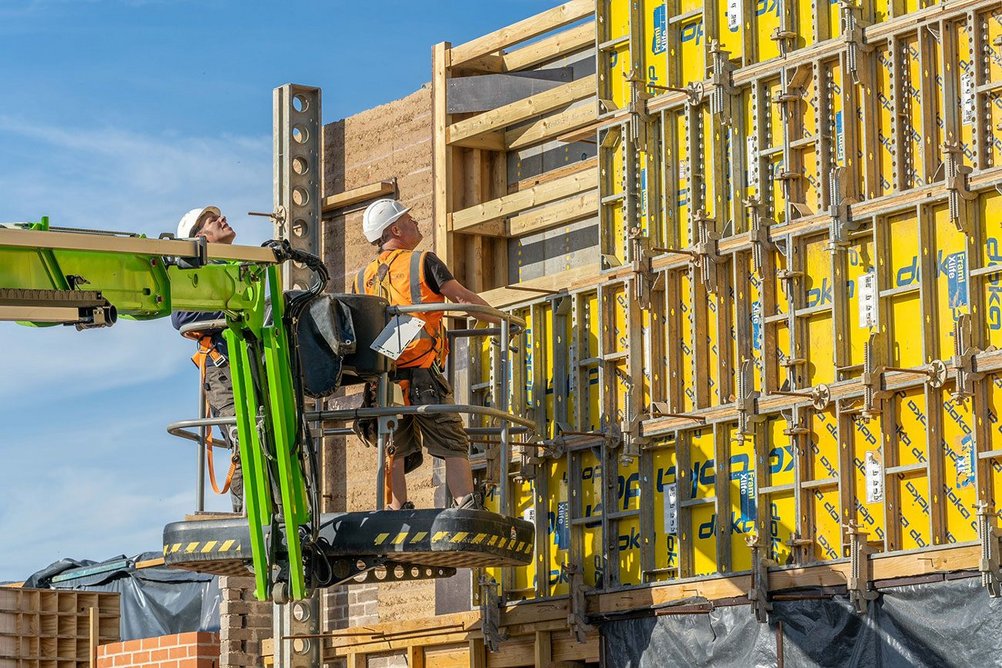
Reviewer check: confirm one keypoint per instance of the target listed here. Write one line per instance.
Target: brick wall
(243, 623)
(183, 650)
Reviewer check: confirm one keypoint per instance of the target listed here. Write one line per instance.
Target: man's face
(216, 230)
(407, 231)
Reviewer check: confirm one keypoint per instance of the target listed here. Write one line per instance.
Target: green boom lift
(89, 279)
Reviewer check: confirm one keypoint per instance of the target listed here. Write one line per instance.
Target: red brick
(141, 658)
(132, 645)
(123, 659)
(190, 638)
(207, 663)
(177, 652)
(158, 655)
(151, 643)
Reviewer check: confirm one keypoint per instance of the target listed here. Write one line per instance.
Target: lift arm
(90, 279)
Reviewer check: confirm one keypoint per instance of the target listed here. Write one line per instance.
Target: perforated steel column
(298, 187)
(298, 175)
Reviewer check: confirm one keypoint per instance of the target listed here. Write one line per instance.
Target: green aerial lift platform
(90, 279)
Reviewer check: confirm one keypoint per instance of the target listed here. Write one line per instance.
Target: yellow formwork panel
(859, 262)
(994, 418)
(959, 487)
(591, 318)
(687, 357)
(701, 533)
(822, 504)
(665, 504)
(691, 49)
(629, 539)
(720, 388)
(903, 272)
(866, 441)
(778, 516)
(990, 211)
(545, 329)
(591, 507)
(820, 353)
(952, 281)
(911, 488)
(558, 528)
(744, 511)
(655, 37)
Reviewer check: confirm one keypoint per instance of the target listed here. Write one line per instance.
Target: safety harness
(206, 352)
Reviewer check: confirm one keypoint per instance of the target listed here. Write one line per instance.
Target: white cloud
(83, 413)
(62, 363)
(114, 179)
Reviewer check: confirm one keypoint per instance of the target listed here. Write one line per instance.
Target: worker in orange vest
(211, 356)
(405, 276)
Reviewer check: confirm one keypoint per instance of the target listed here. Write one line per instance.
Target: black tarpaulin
(951, 623)
(155, 601)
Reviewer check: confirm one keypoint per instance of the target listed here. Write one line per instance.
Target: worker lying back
(405, 276)
(211, 357)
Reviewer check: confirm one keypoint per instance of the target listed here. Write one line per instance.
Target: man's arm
(458, 293)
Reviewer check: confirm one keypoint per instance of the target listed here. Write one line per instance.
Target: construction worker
(405, 276)
(211, 355)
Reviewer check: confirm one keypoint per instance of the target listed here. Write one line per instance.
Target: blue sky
(122, 115)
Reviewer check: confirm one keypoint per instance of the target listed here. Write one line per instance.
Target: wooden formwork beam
(471, 218)
(522, 31)
(462, 133)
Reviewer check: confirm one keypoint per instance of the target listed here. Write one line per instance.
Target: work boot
(408, 505)
(471, 501)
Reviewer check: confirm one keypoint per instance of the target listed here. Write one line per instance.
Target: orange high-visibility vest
(398, 276)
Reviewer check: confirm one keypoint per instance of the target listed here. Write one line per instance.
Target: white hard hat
(190, 219)
(379, 215)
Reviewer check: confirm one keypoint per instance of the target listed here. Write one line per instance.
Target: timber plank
(508, 205)
(552, 126)
(526, 29)
(360, 194)
(521, 110)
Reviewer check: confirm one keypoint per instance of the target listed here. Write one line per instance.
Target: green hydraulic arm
(89, 279)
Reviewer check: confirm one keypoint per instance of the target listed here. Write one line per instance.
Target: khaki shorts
(442, 434)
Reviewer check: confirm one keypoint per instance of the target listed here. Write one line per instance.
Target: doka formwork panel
(46, 628)
(807, 267)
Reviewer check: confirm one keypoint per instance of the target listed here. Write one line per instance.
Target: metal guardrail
(384, 414)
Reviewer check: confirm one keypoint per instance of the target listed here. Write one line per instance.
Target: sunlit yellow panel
(666, 529)
(909, 443)
(869, 516)
(558, 527)
(960, 491)
(906, 309)
(629, 540)
(591, 507)
(744, 512)
(704, 517)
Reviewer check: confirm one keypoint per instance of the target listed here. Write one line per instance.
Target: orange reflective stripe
(398, 276)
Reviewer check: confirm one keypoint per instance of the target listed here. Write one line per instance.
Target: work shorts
(442, 434)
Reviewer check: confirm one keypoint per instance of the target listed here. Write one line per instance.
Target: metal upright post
(503, 405)
(200, 452)
(382, 394)
(298, 189)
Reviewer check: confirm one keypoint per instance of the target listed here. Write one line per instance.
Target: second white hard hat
(189, 220)
(379, 215)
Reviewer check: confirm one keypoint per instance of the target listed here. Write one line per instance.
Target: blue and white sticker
(966, 462)
(955, 268)
(756, 325)
(839, 138)
(734, 15)
(746, 489)
(562, 530)
(659, 42)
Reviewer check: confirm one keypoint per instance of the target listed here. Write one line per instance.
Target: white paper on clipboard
(396, 336)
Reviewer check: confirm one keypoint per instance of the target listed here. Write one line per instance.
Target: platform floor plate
(428, 537)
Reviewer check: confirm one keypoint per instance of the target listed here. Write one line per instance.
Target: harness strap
(206, 351)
